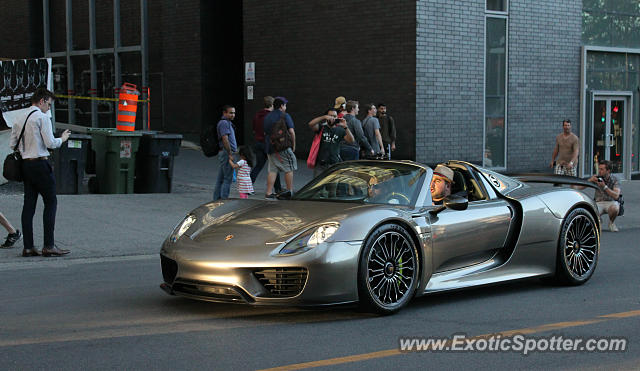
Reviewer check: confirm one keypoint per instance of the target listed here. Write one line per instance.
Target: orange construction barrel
(127, 107)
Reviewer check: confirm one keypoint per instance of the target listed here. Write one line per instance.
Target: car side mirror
(456, 202)
(452, 202)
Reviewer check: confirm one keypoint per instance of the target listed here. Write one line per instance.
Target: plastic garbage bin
(69, 164)
(154, 162)
(90, 164)
(115, 159)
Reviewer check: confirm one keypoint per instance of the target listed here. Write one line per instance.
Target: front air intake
(282, 282)
(169, 269)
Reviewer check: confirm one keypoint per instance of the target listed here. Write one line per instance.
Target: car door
(471, 236)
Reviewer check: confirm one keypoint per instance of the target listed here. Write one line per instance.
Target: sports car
(366, 232)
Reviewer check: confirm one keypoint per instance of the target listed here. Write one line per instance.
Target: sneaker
(270, 197)
(12, 238)
(286, 195)
(612, 227)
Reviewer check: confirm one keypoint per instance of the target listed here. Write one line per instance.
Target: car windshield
(379, 182)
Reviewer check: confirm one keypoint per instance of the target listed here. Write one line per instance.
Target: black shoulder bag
(12, 169)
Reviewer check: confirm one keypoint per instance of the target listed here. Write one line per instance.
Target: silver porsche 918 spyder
(366, 232)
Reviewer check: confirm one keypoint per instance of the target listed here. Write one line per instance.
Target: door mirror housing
(454, 202)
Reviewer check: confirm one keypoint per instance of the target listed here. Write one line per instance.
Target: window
(497, 5)
(495, 91)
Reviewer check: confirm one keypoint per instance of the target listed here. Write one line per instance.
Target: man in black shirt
(334, 130)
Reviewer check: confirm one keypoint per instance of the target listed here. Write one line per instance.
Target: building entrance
(609, 131)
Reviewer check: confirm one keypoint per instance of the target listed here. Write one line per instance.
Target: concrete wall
(313, 51)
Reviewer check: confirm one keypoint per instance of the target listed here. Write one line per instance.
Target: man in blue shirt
(228, 145)
(285, 160)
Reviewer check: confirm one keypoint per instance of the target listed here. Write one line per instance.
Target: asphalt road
(108, 313)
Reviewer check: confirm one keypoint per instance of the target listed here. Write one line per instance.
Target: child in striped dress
(243, 167)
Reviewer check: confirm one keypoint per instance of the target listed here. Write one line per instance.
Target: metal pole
(144, 41)
(47, 48)
(116, 44)
(92, 59)
(70, 90)
(47, 35)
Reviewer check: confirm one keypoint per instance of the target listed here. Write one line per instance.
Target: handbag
(315, 148)
(12, 168)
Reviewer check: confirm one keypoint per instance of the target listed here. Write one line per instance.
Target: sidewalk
(112, 225)
(98, 226)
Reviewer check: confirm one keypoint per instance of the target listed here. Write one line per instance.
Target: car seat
(459, 186)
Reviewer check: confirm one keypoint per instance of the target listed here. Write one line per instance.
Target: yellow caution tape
(96, 98)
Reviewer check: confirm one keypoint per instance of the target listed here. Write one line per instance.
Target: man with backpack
(259, 146)
(228, 145)
(280, 143)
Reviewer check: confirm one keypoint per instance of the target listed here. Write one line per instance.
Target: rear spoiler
(554, 179)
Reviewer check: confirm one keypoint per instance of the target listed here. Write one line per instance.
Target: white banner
(19, 79)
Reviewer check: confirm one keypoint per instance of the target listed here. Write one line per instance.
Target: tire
(578, 248)
(388, 270)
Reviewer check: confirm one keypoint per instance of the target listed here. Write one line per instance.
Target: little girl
(245, 186)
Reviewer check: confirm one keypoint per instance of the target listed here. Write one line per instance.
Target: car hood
(257, 224)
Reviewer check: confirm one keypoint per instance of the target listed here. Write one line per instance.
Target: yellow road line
(396, 351)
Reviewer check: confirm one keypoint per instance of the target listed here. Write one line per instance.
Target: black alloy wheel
(388, 271)
(578, 248)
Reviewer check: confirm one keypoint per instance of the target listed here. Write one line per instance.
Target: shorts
(603, 206)
(563, 170)
(284, 161)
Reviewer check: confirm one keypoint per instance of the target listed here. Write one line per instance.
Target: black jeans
(38, 180)
(261, 159)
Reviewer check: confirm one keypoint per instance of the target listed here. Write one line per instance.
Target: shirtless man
(566, 150)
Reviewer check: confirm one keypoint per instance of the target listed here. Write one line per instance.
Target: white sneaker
(612, 227)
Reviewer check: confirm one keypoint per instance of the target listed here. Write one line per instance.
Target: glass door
(608, 132)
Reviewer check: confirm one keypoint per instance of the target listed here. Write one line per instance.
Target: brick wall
(314, 51)
(449, 80)
(544, 78)
(21, 29)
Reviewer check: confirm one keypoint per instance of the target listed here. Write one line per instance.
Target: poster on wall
(19, 79)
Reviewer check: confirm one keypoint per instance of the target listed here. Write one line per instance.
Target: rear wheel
(388, 271)
(578, 248)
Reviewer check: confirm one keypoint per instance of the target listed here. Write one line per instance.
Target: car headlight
(181, 228)
(309, 239)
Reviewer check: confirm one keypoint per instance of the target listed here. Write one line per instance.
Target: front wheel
(578, 248)
(388, 270)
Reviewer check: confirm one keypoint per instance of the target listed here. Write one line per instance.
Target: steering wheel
(395, 195)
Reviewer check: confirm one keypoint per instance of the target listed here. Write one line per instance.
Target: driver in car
(378, 192)
(441, 184)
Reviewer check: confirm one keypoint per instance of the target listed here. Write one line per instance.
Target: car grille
(282, 282)
(208, 291)
(169, 269)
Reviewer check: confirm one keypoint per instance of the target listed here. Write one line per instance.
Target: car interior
(466, 185)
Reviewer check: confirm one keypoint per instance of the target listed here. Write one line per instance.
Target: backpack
(209, 141)
(280, 138)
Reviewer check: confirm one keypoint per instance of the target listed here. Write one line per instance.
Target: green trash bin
(115, 159)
